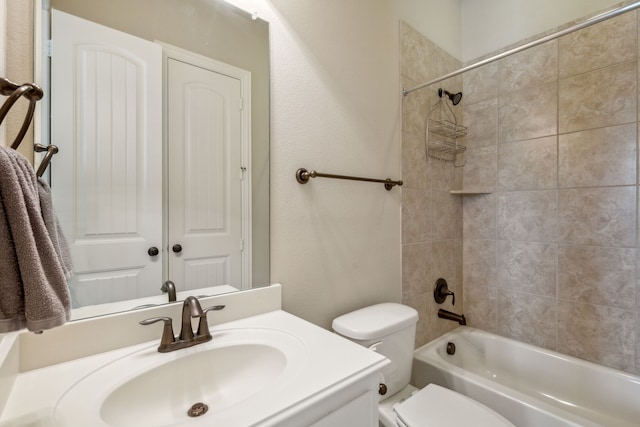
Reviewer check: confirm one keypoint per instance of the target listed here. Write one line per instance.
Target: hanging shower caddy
(443, 132)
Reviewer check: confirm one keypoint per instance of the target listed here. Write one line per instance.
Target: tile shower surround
(552, 256)
(431, 217)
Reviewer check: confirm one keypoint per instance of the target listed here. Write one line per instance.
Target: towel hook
(51, 150)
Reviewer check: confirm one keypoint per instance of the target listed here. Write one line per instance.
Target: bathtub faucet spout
(445, 314)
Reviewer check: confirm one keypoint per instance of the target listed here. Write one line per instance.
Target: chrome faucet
(170, 288)
(190, 308)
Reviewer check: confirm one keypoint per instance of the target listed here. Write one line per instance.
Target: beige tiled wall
(551, 257)
(431, 217)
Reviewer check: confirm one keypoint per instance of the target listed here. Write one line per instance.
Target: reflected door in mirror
(204, 179)
(107, 183)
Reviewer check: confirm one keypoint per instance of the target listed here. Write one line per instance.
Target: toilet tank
(391, 325)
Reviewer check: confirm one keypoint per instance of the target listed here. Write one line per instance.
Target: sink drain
(197, 409)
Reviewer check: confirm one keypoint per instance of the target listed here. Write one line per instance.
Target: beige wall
(431, 216)
(438, 20)
(551, 257)
(468, 29)
(18, 67)
(335, 105)
(490, 25)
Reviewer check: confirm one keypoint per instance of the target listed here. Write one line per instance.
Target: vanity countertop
(329, 361)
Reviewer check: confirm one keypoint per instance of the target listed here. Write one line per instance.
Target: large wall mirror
(160, 111)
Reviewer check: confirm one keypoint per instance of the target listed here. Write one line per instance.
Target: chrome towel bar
(303, 176)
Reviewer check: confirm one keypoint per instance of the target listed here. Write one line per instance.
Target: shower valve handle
(441, 292)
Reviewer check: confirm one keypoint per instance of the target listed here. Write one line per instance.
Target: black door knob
(153, 251)
(177, 248)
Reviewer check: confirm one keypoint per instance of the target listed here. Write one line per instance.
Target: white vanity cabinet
(267, 370)
(351, 404)
(357, 413)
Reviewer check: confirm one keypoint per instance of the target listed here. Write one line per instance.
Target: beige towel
(33, 286)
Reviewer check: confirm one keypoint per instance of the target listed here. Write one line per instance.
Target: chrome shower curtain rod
(591, 21)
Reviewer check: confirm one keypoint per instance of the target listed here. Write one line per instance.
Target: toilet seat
(436, 406)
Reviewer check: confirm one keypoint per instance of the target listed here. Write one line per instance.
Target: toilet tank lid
(375, 321)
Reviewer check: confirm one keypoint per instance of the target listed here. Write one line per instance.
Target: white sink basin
(147, 388)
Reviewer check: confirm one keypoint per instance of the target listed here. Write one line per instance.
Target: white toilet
(390, 329)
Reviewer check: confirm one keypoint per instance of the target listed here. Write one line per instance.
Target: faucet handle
(213, 308)
(167, 331)
(203, 326)
(441, 292)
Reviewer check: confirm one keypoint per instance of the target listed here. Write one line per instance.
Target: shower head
(454, 97)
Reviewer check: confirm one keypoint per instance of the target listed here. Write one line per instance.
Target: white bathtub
(530, 386)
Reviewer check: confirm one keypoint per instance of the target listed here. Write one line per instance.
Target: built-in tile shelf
(475, 192)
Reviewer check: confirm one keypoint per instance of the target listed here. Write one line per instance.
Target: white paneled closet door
(204, 176)
(106, 179)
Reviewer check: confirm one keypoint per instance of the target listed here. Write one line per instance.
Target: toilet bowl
(390, 328)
